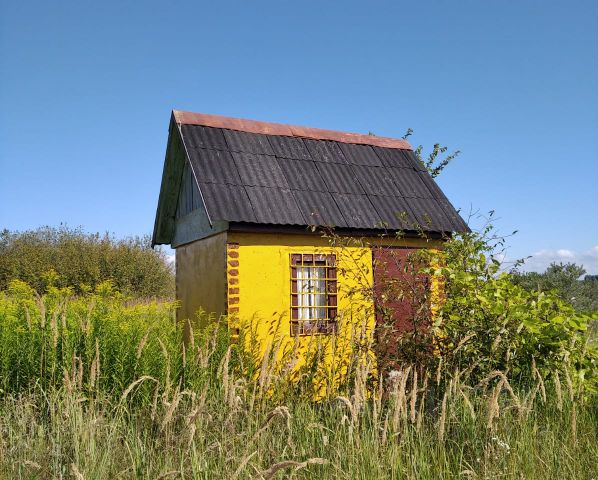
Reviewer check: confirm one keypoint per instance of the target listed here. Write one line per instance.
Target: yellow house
(244, 204)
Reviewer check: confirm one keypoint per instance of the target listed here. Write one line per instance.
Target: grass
(95, 387)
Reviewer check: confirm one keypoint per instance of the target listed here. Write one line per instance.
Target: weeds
(93, 388)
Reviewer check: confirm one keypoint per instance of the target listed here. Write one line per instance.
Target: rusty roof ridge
(268, 128)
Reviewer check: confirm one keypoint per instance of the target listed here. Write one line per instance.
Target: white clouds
(563, 253)
(541, 259)
(171, 258)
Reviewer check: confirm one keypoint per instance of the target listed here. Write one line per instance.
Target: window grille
(313, 294)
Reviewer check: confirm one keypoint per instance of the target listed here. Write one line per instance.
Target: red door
(401, 299)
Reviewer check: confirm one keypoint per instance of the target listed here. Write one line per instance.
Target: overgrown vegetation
(69, 257)
(567, 281)
(98, 387)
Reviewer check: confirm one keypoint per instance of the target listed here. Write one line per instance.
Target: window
(313, 294)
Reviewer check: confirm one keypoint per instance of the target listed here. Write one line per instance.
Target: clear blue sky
(86, 90)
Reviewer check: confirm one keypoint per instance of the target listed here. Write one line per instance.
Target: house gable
(181, 216)
(220, 172)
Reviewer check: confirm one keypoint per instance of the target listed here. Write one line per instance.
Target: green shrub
(66, 257)
(488, 322)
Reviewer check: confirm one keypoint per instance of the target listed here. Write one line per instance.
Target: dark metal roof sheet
(457, 222)
(375, 180)
(339, 178)
(247, 142)
(393, 157)
(409, 182)
(275, 205)
(357, 210)
(197, 136)
(394, 212)
(259, 170)
(319, 208)
(430, 215)
(302, 175)
(214, 166)
(432, 187)
(289, 147)
(415, 162)
(227, 202)
(276, 179)
(325, 151)
(360, 155)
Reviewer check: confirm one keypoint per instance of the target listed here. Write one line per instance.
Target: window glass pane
(310, 288)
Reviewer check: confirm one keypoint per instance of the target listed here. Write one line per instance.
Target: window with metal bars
(313, 294)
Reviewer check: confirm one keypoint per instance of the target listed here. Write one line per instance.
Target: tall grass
(95, 387)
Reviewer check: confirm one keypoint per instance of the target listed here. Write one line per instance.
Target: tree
(565, 280)
(67, 257)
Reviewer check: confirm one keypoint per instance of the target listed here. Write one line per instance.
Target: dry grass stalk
(467, 403)
(377, 403)
(569, 384)
(42, 310)
(420, 413)
(280, 411)
(439, 371)
(242, 465)
(264, 370)
(531, 397)
(167, 382)
(76, 473)
(384, 436)
(224, 374)
(168, 474)
(176, 398)
(141, 345)
(442, 422)
(400, 400)
(558, 390)
(413, 396)
(134, 384)
(274, 469)
(493, 406)
(540, 381)
(574, 422)
(154, 409)
(350, 407)
(94, 367)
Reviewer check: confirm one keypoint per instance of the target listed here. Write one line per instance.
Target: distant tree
(67, 257)
(566, 280)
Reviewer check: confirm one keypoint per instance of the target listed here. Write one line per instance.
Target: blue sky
(86, 91)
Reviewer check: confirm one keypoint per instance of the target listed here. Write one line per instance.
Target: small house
(244, 203)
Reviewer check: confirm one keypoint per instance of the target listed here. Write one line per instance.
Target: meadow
(97, 385)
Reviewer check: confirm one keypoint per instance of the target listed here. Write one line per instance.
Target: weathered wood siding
(189, 196)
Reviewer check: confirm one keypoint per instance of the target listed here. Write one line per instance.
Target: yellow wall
(201, 276)
(259, 298)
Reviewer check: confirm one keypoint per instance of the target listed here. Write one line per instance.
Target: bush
(478, 320)
(67, 257)
(565, 280)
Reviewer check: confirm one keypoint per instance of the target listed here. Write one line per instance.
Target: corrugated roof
(319, 208)
(256, 172)
(259, 170)
(360, 155)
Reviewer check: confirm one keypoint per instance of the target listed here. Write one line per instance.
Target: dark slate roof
(305, 177)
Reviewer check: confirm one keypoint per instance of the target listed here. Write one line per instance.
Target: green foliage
(66, 257)
(434, 162)
(488, 322)
(100, 386)
(564, 279)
